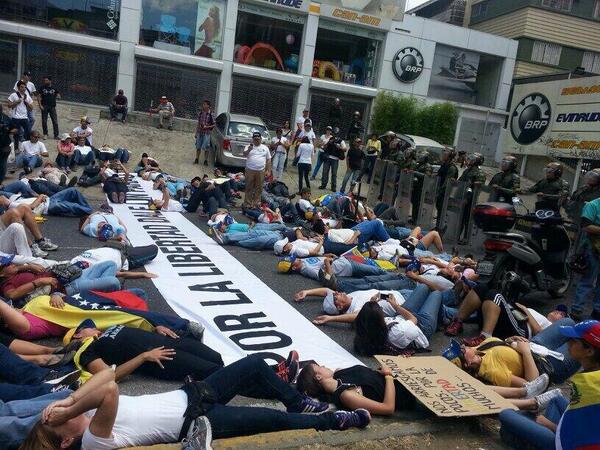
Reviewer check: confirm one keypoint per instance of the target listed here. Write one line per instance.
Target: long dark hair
(371, 330)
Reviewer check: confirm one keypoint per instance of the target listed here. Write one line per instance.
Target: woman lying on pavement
(565, 425)
(314, 267)
(116, 421)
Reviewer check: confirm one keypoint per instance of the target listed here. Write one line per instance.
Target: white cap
(278, 246)
(328, 305)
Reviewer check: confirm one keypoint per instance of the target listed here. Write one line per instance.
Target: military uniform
(555, 191)
(509, 183)
(420, 170)
(445, 173)
(470, 176)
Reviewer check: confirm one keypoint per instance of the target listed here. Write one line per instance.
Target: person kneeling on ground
(123, 421)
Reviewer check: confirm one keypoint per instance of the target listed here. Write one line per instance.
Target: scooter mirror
(516, 201)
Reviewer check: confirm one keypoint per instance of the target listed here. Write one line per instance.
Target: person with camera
(335, 150)
(279, 147)
(20, 103)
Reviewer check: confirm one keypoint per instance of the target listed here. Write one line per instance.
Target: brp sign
(530, 118)
(408, 64)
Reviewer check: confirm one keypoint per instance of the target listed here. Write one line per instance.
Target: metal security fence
(320, 105)
(81, 75)
(272, 102)
(186, 88)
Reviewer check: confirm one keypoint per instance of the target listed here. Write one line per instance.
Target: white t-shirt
(360, 298)
(402, 333)
(310, 267)
(387, 250)
(42, 208)
(30, 149)
(142, 420)
(340, 235)
(324, 141)
(305, 205)
(258, 157)
(311, 135)
(280, 148)
(173, 206)
(30, 87)
(83, 149)
(304, 152)
(97, 255)
(301, 119)
(19, 111)
(302, 248)
(540, 319)
(87, 132)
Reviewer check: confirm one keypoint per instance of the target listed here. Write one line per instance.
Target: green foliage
(408, 115)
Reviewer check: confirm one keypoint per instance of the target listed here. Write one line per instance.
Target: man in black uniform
(507, 183)
(47, 96)
(447, 171)
(552, 190)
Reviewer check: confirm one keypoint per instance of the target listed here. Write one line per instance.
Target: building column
(225, 80)
(129, 32)
(309, 40)
(457, 132)
(577, 176)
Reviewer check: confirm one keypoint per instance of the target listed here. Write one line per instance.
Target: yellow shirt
(499, 363)
(374, 143)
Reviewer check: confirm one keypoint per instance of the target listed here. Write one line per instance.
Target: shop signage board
(445, 389)
(408, 64)
(555, 118)
(359, 18)
(299, 6)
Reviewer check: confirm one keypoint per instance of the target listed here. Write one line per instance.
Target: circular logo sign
(408, 64)
(530, 119)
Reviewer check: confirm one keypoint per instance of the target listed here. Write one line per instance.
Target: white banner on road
(203, 282)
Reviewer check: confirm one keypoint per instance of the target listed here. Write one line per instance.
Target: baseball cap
(256, 134)
(27, 72)
(164, 97)
(5, 260)
(106, 232)
(278, 246)
(328, 304)
(453, 353)
(85, 323)
(285, 264)
(64, 136)
(588, 330)
(84, 119)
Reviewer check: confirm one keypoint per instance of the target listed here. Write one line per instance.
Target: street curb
(380, 428)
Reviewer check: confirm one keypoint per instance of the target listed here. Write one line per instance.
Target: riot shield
(376, 181)
(452, 211)
(402, 201)
(427, 202)
(475, 235)
(389, 184)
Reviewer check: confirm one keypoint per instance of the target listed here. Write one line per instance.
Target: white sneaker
(542, 400)
(536, 386)
(37, 251)
(47, 245)
(200, 436)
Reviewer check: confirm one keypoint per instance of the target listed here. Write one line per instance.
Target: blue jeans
(23, 127)
(337, 248)
(203, 141)
(64, 160)
(387, 281)
(18, 417)
(69, 202)
(351, 176)
(398, 232)
(253, 239)
(81, 160)
(278, 164)
(520, 430)
(371, 230)
(24, 160)
(21, 379)
(425, 305)
(251, 377)
(18, 187)
(552, 338)
(365, 270)
(585, 287)
(99, 277)
(45, 187)
(318, 164)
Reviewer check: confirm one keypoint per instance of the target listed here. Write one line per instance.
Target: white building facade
(270, 58)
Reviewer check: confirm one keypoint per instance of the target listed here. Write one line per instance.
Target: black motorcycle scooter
(541, 258)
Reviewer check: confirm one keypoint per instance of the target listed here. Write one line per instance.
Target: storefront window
(185, 87)
(347, 54)
(321, 113)
(97, 18)
(9, 51)
(191, 27)
(268, 38)
(80, 75)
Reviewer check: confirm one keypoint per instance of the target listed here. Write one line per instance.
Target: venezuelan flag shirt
(578, 427)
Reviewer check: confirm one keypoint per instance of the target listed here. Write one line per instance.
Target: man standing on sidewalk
(206, 123)
(31, 91)
(47, 102)
(20, 103)
(258, 164)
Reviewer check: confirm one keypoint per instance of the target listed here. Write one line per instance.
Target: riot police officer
(586, 193)
(447, 171)
(422, 167)
(356, 128)
(552, 190)
(473, 177)
(507, 183)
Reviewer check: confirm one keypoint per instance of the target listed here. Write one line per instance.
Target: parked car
(232, 134)
(422, 143)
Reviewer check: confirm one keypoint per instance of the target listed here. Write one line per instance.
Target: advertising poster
(210, 24)
(444, 388)
(453, 74)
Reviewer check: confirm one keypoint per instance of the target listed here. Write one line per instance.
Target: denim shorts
(203, 141)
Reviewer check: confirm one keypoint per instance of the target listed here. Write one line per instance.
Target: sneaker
(70, 386)
(199, 436)
(71, 346)
(328, 280)
(63, 180)
(536, 386)
(170, 128)
(217, 235)
(45, 137)
(47, 245)
(308, 405)
(205, 162)
(72, 181)
(542, 400)
(58, 377)
(56, 360)
(288, 370)
(196, 330)
(359, 418)
(37, 251)
(27, 170)
(196, 161)
(474, 341)
(454, 328)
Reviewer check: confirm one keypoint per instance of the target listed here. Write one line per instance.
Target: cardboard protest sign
(444, 388)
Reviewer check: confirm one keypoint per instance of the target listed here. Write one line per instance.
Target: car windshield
(246, 129)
